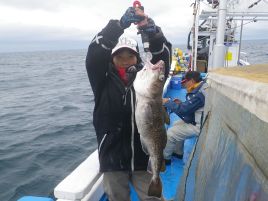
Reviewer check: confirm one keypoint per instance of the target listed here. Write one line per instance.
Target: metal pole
(219, 48)
(240, 40)
(193, 67)
(196, 34)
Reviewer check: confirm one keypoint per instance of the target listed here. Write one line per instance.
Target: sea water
(46, 106)
(46, 130)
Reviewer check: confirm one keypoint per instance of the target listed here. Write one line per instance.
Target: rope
(254, 4)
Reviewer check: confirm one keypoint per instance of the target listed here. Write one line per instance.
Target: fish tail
(155, 188)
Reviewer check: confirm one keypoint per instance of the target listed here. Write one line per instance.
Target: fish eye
(161, 77)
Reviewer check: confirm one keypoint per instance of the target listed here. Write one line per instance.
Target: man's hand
(147, 26)
(165, 100)
(130, 16)
(177, 101)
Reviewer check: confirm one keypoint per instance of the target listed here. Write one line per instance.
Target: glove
(130, 17)
(149, 28)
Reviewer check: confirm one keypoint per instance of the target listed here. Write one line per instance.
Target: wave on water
(46, 120)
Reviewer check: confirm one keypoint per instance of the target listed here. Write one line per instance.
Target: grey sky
(36, 21)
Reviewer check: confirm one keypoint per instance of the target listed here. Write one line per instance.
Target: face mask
(123, 75)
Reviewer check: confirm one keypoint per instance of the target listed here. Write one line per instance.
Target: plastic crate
(175, 82)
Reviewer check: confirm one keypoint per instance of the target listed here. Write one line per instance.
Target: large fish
(149, 114)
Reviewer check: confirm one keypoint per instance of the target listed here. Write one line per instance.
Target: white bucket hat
(126, 42)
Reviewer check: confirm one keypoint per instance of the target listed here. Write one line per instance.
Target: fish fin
(163, 166)
(166, 116)
(149, 166)
(143, 145)
(155, 188)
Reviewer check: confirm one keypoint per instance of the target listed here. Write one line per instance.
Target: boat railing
(84, 183)
(243, 61)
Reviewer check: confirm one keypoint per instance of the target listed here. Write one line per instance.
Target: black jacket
(113, 118)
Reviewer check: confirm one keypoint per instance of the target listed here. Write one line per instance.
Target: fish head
(150, 80)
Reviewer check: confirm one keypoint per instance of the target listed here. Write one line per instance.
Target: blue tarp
(34, 198)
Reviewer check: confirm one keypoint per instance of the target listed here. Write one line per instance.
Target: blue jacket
(190, 111)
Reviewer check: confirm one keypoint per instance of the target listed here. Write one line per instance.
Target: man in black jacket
(112, 64)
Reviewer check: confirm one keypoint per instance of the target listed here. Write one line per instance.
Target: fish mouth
(160, 65)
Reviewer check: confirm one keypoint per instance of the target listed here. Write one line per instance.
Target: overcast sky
(67, 24)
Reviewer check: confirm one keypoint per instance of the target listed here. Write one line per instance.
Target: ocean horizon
(40, 46)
